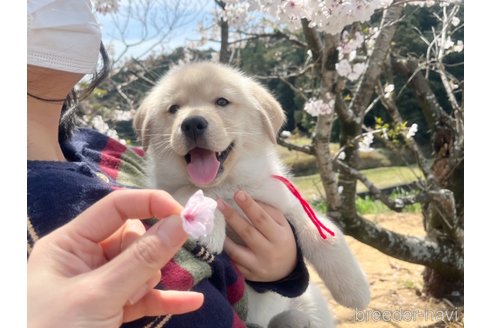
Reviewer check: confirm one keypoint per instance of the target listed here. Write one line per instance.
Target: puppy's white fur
(250, 122)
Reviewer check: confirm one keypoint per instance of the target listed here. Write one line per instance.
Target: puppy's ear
(274, 116)
(141, 124)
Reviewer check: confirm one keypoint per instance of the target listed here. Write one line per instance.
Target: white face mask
(62, 35)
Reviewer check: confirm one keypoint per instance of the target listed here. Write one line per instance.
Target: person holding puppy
(88, 264)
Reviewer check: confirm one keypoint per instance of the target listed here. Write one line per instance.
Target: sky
(183, 18)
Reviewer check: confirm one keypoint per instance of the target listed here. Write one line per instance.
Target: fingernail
(221, 205)
(170, 231)
(241, 196)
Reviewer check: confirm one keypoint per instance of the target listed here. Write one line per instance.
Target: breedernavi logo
(406, 315)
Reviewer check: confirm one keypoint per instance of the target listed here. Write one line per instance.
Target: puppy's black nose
(194, 126)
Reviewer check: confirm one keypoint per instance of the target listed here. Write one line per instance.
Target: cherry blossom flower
(412, 130)
(385, 133)
(350, 44)
(388, 89)
(236, 13)
(123, 115)
(330, 16)
(458, 47)
(106, 6)
(430, 3)
(365, 143)
(317, 107)
(351, 72)
(343, 67)
(357, 70)
(198, 215)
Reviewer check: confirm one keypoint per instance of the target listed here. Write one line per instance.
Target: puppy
(208, 126)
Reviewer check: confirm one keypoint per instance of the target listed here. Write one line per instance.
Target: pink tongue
(203, 167)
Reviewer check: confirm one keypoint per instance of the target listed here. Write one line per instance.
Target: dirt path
(396, 287)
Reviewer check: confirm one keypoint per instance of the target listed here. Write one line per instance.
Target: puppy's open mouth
(204, 165)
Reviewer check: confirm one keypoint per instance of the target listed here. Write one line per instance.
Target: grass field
(383, 172)
(384, 177)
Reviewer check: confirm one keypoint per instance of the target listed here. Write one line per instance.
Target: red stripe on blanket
(175, 277)
(111, 158)
(235, 291)
(139, 151)
(237, 322)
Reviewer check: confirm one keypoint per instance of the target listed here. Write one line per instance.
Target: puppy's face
(203, 118)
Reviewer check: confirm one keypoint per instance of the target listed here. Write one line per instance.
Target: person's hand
(269, 252)
(99, 270)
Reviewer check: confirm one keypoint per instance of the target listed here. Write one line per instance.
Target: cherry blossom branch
(140, 75)
(445, 257)
(442, 199)
(275, 35)
(285, 78)
(313, 41)
(397, 150)
(299, 73)
(382, 44)
(118, 87)
(389, 104)
(433, 112)
(307, 149)
(457, 109)
(343, 111)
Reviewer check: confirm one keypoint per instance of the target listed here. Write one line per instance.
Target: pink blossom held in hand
(198, 215)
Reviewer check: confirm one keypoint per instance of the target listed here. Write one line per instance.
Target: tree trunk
(224, 54)
(449, 173)
(351, 125)
(443, 222)
(325, 57)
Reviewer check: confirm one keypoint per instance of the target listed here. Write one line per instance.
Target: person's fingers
(127, 275)
(130, 231)
(158, 302)
(260, 218)
(151, 283)
(247, 273)
(275, 214)
(102, 219)
(246, 231)
(239, 254)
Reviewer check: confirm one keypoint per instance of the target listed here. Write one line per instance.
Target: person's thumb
(127, 276)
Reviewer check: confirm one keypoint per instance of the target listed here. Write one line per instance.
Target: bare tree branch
(396, 205)
(444, 204)
(303, 149)
(275, 35)
(118, 88)
(382, 44)
(433, 112)
(424, 165)
(445, 257)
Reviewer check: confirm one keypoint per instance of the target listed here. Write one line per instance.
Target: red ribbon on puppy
(307, 208)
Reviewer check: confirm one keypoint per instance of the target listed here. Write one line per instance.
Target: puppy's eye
(173, 108)
(222, 102)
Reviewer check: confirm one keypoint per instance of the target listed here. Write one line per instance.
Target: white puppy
(207, 126)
